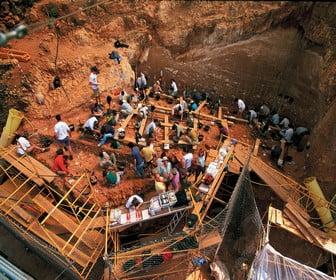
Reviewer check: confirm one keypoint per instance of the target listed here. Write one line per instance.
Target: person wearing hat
(165, 168)
(125, 108)
(159, 182)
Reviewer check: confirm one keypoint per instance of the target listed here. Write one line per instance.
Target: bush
(51, 10)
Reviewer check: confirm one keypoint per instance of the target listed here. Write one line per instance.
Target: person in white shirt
(94, 83)
(123, 96)
(143, 111)
(173, 88)
(134, 201)
(126, 108)
(151, 129)
(63, 134)
(241, 106)
(24, 146)
(186, 160)
(91, 123)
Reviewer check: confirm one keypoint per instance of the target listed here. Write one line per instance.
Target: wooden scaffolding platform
(30, 197)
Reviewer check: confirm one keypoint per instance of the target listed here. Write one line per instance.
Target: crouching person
(60, 166)
(112, 178)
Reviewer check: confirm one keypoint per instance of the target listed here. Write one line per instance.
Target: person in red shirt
(61, 164)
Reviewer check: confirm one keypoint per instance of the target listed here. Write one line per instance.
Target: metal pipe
(321, 205)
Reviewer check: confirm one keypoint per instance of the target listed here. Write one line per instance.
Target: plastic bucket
(13, 120)
(6, 138)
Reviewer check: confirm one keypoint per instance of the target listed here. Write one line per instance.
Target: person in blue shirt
(193, 105)
(138, 159)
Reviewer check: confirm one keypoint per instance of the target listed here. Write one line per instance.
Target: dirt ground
(74, 106)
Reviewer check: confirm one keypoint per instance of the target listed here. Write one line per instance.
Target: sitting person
(179, 109)
(112, 178)
(193, 105)
(113, 118)
(263, 113)
(134, 202)
(192, 136)
(24, 146)
(178, 129)
(126, 109)
(156, 89)
(287, 134)
(143, 111)
(115, 56)
(108, 132)
(240, 106)
(105, 161)
(123, 96)
(96, 110)
(275, 120)
(91, 124)
(284, 123)
(251, 117)
(60, 165)
(223, 131)
(298, 135)
(151, 129)
(173, 90)
(141, 82)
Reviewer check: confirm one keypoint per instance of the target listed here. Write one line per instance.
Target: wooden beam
(77, 255)
(125, 123)
(199, 108)
(166, 131)
(64, 219)
(220, 112)
(27, 172)
(209, 240)
(256, 147)
(142, 126)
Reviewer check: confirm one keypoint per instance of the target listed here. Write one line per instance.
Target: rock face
(272, 52)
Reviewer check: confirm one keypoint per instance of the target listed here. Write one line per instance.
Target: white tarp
(271, 265)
